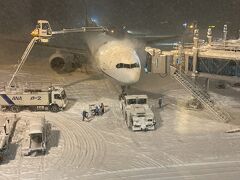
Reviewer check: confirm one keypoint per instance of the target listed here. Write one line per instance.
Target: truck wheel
(34, 154)
(1, 158)
(54, 108)
(126, 119)
(129, 123)
(122, 111)
(15, 109)
(33, 108)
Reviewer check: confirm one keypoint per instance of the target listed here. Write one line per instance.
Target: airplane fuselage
(116, 58)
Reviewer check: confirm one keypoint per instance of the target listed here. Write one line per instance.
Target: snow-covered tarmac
(186, 144)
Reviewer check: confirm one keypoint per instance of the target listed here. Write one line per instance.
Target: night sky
(158, 16)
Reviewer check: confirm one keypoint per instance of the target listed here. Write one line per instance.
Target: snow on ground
(186, 144)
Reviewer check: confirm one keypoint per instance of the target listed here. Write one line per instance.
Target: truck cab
(58, 99)
(137, 113)
(43, 30)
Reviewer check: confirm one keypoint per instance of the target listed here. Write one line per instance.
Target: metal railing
(200, 95)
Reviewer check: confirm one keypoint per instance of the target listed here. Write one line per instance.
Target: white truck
(7, 126)
(35, 138)
(137, 113)
(17, 99)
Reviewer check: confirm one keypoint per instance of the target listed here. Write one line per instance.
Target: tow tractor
(137, 113)
(43, 33)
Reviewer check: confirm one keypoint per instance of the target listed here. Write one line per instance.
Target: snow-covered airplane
(116, 57)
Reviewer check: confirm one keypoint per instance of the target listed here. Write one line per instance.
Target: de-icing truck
(17, 99)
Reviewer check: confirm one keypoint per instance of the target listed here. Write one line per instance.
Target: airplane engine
(64, 62)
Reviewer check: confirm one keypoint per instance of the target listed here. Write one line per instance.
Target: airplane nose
(133, 77)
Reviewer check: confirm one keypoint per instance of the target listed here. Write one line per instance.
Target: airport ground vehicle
(16, 99)
(36, 137)
(137, 113)
(7, 126)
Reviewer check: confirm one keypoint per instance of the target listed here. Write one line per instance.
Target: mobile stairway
(200, 95)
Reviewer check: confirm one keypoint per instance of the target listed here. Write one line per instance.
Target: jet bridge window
(129, 66)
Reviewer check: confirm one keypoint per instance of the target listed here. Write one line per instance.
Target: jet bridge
(156, 58)
(218, 59)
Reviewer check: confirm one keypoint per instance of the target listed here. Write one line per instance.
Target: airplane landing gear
(124, 92)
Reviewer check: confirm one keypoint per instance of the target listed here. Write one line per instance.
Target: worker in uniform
(160, 102)
(102, 110)
(84, 115)
(97, 110)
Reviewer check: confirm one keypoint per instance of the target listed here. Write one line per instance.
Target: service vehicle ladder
(24, 58)
(200, 94)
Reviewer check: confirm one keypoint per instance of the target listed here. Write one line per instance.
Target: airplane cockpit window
(135, 65)
(120, 65)
(129, 66)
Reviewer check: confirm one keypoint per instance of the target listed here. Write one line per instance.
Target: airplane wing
(148, 38)
(64, 60)
(52, 46)
(154, 38)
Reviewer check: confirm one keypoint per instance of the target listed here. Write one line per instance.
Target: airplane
(115, 57)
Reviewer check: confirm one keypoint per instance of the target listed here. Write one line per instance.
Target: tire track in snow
(83, 146)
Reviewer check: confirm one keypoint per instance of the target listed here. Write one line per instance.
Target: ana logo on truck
(17, 98)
